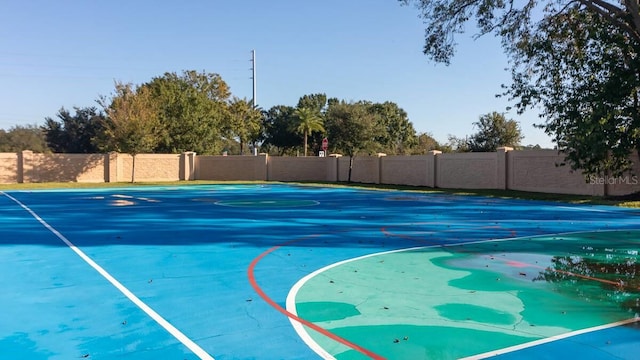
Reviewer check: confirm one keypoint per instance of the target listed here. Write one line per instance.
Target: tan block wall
(228, 168)
(63, 167)
(535, 171)
(365, 169)
(539, 171)
(149, 167)
(405, 170)
(8, 168)
(622, 185)
(467, 171)
(309, 168)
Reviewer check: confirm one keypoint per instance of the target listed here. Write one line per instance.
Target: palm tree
(308, 121)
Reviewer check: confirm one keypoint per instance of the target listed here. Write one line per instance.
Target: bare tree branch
(634, 9)
(612, 16)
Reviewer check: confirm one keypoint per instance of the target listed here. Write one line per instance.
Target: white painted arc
(197, 350)
(549, 339)
(306, 337)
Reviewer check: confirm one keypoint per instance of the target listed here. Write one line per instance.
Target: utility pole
(253, 77)
(254, 101)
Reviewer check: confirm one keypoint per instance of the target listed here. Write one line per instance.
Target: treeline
(195, 111)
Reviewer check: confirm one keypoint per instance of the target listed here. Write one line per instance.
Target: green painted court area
(457, 301)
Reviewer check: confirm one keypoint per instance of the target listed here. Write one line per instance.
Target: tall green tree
(396, 134)
(23, 137)
(576, 60)
(494, 131)
(425, 142)
(280, 135)
(316, 102)
(586, 73)
(75, 133)
(192, 109)
(309, 121)
(245, 122)
(132, 125)
(352, 128)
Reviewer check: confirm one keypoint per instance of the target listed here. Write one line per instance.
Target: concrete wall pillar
(264, 167)
(502, 166)
(188, 163)
(111, 167)
(432, 168)
(379, 165)
(337, 166)
(267, 160)
(25, 166)
(332, 168)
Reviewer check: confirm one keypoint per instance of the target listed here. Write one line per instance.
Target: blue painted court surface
(303, 272)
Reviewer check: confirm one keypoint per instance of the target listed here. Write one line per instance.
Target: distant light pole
(254, 101)
(253, 76)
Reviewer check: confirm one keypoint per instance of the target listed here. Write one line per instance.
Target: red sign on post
(325, 144)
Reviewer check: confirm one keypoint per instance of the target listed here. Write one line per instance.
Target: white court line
(549, 339)
(144, 307)
(576, 208)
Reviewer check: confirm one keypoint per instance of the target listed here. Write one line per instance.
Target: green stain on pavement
(483, 314)
(326, 311)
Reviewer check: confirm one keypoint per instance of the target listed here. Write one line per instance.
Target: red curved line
(265, 297)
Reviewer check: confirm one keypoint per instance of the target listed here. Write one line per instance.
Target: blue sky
(69, 52)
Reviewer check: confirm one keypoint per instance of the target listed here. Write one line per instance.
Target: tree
(531, 147)
(514, 21)
(279, 128)
(192, 110)
(245, 122)
(316, 102)
(74, 133)
(577, 60)
(425, 142)
(132, 126)
(396, 134)
(19, 138)
(589, 92)
(494, 131)
(308, 121)
(351, 128)
(457, 144)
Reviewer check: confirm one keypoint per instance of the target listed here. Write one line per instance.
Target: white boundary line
(260, 202)
(548, 340)
(313, 345)
(197, 350)
(586, 209)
